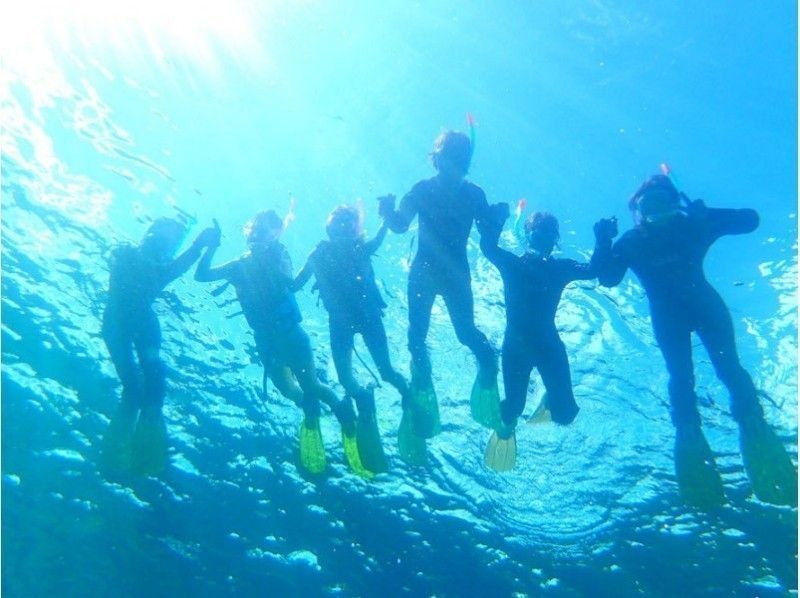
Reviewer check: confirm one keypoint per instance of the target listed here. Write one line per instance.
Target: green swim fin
(542, 414)
(425, 409)
(485, 402)
(149, 448)
(501, 453)
(410, 446)
(353, 457)
(370, 447)
(699, 481)
(312, 449)
(768, 465)
(117, 443)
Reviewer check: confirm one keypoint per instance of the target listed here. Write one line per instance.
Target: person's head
(344, 223)
(451, 155)
(163, 238)
(656, 201)
(541, 230)
(265, 228)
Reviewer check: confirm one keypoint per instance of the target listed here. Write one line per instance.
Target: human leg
(554, 369)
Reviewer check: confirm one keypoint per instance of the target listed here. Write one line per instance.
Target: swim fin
(370, 447)
(424, 409)
(312, 449)
(542, 414)
(149, 447)
(117, 442)
(410, 446)
(501, 453)
(699, 481)
(768, 465)
(485, 401)
(353, 457)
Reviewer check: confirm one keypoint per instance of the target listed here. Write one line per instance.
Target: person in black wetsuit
(532, 285)
(666, 251)
(446, 205)
(137, 436)
(345, 279)
(264, 286)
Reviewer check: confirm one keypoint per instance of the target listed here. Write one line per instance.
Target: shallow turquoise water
(113, 119)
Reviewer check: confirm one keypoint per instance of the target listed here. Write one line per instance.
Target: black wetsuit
(533, 287)
(129, 321)
(440, 266)
(668, 260)
(264, 286)
(346, 284)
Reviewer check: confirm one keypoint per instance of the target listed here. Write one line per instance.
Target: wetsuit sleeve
(490, 235)
(574, 270)
(609, 262)
(725, 221)
(481, 206)
(374, 243)
(284, 270)
(183, 262)
(305, 274)
(205, 273)
(400, 219)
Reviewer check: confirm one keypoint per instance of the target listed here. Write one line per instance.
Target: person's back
(532, 287)
(346, 279)
(445, 217)
(262, 279)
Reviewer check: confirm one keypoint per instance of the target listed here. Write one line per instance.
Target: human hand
(210, 237)
(605, 229)
(386, 205)
(499, 212)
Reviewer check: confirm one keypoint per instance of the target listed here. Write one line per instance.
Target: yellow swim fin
(501, 453)
(312, 449)
(351, 454)
(542, 414)
(410, 446)
(117, 443)
(149, 449)
(699, 481)
(768, 465)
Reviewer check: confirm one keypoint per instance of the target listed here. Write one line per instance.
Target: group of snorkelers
(665, 249)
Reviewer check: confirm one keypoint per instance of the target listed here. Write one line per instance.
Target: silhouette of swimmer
(137, 436)
(665, 250)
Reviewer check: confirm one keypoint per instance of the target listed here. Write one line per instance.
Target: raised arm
(490, 225)
(204, 271)
(375, 242)
(305, 274)
(723, 221)
(400, 219)
(607, 262)
(184, 261)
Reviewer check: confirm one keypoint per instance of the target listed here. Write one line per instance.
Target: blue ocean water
(116, 114)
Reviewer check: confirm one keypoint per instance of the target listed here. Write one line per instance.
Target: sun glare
(161, 29)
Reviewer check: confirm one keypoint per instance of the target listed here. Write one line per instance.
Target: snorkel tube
(519, 222)
(472, 136)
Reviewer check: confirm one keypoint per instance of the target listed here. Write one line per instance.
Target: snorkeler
(263, 281)
(532, 284)
(446, 205)
(345, 279)
(137, 435)
(666, 249)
